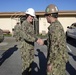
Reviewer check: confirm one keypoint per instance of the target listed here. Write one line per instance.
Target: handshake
(40, 41)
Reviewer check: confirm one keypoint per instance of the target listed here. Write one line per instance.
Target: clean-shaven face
(48, 18)
(31, 18)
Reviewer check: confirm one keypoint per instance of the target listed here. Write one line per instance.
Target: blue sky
(38, 5)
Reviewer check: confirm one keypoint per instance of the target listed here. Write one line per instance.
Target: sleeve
(27, 33)
(58, 46)
(53, 48)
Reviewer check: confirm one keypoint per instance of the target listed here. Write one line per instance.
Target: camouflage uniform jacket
(27, 34)
(17, 31)
(57, 50)
(27, 44)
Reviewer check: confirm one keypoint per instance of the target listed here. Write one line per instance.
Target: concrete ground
(10, 58)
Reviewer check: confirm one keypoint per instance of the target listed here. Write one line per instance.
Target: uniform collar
(52, 24)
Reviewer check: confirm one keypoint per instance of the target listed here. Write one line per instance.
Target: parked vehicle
(71, 31)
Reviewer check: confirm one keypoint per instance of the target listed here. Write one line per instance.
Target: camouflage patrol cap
(51, 9)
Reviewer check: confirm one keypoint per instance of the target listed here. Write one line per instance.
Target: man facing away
(56, 43)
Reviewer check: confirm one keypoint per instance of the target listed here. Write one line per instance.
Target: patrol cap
(50, 9)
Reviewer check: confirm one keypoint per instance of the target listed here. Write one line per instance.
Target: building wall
(43, 25)
(7, 23)
(65, 21)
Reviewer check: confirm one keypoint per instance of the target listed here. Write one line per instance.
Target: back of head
(51, 9)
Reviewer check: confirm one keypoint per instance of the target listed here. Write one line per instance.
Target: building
(9, 19)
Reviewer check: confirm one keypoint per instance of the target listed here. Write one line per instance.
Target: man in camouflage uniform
(17, 29)
(27, 42)
(56, 43)
(1, 35)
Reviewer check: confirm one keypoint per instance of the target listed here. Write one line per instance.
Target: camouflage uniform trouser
(17, 37)
(58, 70)
(27, 56)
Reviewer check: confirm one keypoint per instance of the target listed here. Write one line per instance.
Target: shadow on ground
(7, 54)
(42, 64)
(70, 69)
(71, 42)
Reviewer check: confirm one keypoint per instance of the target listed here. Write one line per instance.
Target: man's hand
(40, 41)
(49, 68)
